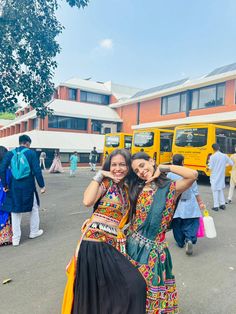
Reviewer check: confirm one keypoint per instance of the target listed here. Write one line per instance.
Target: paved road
(206, 281)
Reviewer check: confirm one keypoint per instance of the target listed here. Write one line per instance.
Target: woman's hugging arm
(188, 177)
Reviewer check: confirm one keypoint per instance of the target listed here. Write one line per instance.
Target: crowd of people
(56, 166)
(122, 264)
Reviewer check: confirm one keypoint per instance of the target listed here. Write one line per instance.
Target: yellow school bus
(116, 141)
(157, 143)
(194, 141)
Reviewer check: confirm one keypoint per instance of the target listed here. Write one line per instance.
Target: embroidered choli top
(110, 216)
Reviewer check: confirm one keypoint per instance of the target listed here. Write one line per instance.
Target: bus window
(112, 141)
(194, 137)
(226, 139)
(128, 142)
(144, 139)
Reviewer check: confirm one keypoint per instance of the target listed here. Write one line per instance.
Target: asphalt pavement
(206, 281)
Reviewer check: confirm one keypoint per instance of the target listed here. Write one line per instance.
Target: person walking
(24, 166)
(232, 178)
(101, 280)
(185, 223)
(42, 158)
(5, 216)
(93, 158)
(73, 164)
(153, 198)
(56, 166)
(217, 164)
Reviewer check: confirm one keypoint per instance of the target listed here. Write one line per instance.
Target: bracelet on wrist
(98, 177)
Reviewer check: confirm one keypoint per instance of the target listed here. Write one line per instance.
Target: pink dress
(56, 165)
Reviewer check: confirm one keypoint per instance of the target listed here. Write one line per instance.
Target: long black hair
(3, 151)
(107, 165)
(123, 152)
(136, 184)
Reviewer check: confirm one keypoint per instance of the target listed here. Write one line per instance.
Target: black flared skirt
(106, 282)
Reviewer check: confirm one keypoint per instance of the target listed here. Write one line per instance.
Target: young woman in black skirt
(101, 280)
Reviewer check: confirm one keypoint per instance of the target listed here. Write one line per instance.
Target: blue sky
(145, 43)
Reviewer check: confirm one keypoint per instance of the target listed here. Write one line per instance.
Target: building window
(96, 126)
(174, 103)
(72, 93)
(210, 96)
(119, 127)
(94, 98)
(35, 123)
(107, 130)
(60, 122)
(65, 157)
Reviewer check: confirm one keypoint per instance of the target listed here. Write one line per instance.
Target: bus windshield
(112, 141)
(226, 139)
(193, 137)
(144, 139)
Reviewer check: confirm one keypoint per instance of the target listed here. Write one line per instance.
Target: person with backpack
(24, 166)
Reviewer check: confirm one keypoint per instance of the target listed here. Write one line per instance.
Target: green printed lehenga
(148, 250)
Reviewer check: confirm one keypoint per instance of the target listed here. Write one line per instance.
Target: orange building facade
(212, 97)
(81, 117)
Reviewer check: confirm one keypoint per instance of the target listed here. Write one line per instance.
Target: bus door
(166, 140)
(128, 142)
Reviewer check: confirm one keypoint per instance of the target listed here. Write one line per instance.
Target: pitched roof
(219, 75)
(159, 88)
(223, 69)
(87, 85)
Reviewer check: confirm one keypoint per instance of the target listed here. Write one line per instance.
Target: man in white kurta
(232, 177)
(217, 164)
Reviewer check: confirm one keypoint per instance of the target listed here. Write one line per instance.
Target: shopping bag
(209, 226)
(201, 231)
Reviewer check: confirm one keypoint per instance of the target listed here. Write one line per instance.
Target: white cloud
(106, 43)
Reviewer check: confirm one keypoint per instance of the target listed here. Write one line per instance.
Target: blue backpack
(19, 164)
